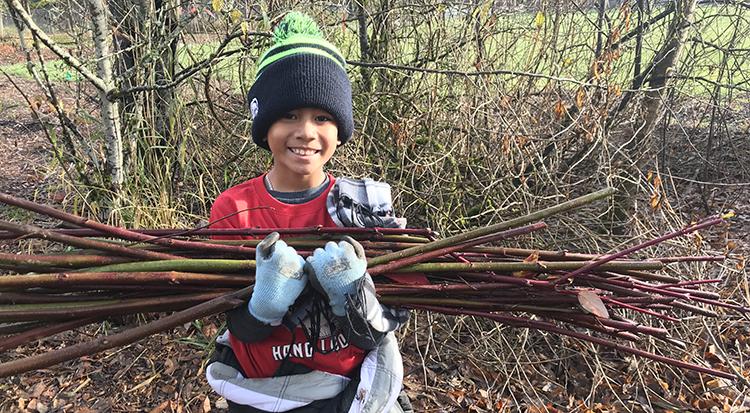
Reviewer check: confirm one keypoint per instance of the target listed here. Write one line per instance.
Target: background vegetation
(474, 111)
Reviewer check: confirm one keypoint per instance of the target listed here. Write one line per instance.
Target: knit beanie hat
(301, 69)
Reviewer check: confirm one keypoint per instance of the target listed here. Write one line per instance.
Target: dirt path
(23, 145)
(25, 158)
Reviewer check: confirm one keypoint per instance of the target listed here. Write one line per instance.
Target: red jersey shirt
(249, 205)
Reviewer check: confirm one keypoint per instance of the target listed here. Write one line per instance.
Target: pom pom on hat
(295, 23)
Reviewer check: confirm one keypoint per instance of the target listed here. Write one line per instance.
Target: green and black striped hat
(301, 69)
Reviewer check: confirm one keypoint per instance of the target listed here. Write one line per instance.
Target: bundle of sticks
(114, 271)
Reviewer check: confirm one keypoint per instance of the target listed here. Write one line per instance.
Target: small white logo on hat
(254, 107)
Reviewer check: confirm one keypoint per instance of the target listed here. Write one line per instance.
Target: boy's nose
(307, 130)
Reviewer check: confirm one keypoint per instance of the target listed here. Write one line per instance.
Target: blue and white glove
(279, 279)
(336, 271)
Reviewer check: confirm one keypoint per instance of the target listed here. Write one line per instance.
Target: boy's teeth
(303, 152)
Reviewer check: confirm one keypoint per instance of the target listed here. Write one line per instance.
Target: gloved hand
(336, 270)
(279, 279)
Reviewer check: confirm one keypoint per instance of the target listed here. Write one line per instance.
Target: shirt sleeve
(224, 215)
(245, 327)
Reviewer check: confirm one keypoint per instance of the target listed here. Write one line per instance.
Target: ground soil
(445, 372)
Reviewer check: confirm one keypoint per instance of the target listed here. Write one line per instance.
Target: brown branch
(121, 232)
(473, 74)
(396, 264)
(43, 331)
(536, 216)
(23, 229)
(217, 305)
(101, 308)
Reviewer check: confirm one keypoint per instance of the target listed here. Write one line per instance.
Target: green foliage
(56, 69)
(204, 334)
(8, 213)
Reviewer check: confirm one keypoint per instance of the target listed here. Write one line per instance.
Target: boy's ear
(339, 143)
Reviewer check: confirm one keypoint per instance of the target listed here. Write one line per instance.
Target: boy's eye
(289, 115)
(323, 118)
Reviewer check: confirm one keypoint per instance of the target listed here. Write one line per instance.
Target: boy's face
(302, 141)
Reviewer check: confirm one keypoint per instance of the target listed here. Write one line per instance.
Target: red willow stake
(690, 283)
(646, 287)
(492, 229)
(367, 233)
(217, 305)
(490, 282)
(70, 311)
(122, 278)
(120, 232)
(37, 232)
(415, 259)
(706, 258)
(549, 327)
(43, 262)
(44, 331)
(588, 267)
(639, 309)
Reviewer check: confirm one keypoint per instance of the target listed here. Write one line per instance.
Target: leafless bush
(473, 111)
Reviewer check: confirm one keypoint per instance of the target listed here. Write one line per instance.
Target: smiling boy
(312, 337)
(301, 141)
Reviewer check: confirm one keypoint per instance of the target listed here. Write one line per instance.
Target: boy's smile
(304, 151)
(302, 141)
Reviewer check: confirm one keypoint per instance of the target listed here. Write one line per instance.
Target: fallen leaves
(546, 408)
(560, 109)
(592, 304)
(37, 406)
(532, 258)
(580, 97)
(144, 383)
(160, 408)
(159, 375)
(539, 19)
(658, 196)
(741, 261)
